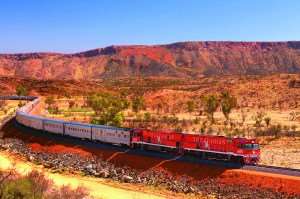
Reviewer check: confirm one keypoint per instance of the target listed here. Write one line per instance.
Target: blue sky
(73, 25)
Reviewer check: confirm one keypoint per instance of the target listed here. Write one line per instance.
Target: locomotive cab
(249, 150)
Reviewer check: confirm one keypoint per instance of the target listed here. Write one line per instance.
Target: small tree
(118, 119)
(50, 101)
(138, 104)
(147, 116)
(71, 104)
(267, 121)
(190, 106)
(294, 127)
(107, 108)
(258, 117)
(210, 104)
(292, 83)
(228, 102)
(21, 90)
(243, 116)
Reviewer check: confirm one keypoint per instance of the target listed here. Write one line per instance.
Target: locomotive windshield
(250, 146)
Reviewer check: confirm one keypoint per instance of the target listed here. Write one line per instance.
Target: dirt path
(98, 188)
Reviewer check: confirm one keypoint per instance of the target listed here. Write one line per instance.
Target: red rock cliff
(184, 59)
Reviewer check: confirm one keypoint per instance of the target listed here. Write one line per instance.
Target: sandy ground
(10, 107)
(284, 152)
(277, 116)
(98, 188)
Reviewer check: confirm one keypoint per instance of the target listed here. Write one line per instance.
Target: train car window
(250, 146)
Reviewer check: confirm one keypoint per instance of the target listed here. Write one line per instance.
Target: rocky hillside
(185, 59)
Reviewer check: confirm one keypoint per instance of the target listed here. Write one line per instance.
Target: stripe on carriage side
(146, 143)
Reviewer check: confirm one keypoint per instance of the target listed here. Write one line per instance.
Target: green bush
(108, 108)
(19, 189)
(21, 90)
(35, 186)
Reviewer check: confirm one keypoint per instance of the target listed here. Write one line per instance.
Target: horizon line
(146, 45)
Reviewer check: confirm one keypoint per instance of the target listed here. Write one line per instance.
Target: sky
(69, 26)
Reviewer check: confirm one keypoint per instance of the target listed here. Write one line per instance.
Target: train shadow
(120, 156)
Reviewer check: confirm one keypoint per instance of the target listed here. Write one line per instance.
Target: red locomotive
(245, 151)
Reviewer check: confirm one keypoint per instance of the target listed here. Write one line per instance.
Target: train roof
(96, 126)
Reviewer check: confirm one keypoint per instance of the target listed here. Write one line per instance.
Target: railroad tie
(115, 154)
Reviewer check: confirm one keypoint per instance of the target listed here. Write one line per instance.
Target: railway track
(273, 170)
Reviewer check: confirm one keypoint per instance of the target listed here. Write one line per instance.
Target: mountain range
(182, 59)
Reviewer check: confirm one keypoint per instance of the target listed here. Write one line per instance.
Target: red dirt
(277, 182)
(156, 53)
(58, 149)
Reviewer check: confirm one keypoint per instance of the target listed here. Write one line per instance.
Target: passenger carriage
(54, 126)
(111, 134)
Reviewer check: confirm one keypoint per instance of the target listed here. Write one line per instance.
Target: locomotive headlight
(253, 152)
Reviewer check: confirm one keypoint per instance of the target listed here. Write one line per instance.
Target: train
(241, 150)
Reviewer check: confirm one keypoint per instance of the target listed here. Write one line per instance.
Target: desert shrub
(19, 189)
(286, 128)
(294, 127)
(35, 186)
(108, 108)
(267, 121)
(185, 123)
(21, 90)
(50, 101)
(40, 184)
(20, 104)
(228, 102)
(147, 116)
(202, 130)
(190, 106)
(178, 129)
(118, 119)
(196, 120)
(71, 104)
(66, 192)
(292, 83)
(238, 132)
(258, 118)
(273, 130)
(138, 104)
(210, 131)
(210, 104)
(53, 110)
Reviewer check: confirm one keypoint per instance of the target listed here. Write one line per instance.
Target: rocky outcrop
(184, 59)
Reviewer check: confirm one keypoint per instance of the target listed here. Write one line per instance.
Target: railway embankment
(172, 175)
(128, 168)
